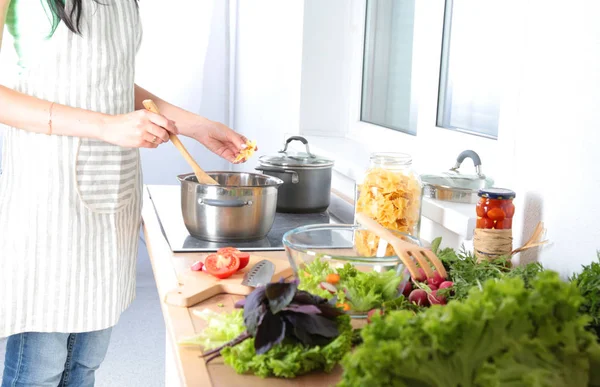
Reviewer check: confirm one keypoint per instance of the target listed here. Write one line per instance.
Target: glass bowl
(347, 264)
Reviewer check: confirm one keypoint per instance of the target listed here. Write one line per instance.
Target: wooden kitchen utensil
(198, 286)
(203, 177)
(405, 250)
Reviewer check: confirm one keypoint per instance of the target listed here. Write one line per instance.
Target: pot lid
(285, 158)
(454, 179)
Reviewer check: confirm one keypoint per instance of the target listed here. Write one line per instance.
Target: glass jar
(390, 192)
(495, 209)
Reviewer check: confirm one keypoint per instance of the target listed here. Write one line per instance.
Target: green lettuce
(286, 360)
(362, 290)
(502, 334)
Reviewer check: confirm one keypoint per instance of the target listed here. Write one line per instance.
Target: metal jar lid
(497, 193)
(285, 158)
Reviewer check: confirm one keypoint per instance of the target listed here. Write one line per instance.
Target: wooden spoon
(406, 251)
(203, 177)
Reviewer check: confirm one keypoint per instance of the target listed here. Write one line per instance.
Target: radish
(197, 266)
(436, 280)
(407, 289)
(372, 312)
(329, 287)
(419, 297)
(421, 276)
(433, 287)
(434, 299)
(446, 284)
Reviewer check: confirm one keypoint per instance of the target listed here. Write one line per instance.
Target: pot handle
(469, 154)
(224, 203)
(297, 138)
(294, 174)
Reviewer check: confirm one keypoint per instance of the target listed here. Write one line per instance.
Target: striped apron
(70, 208)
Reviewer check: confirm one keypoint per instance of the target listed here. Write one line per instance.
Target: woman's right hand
(138, 129)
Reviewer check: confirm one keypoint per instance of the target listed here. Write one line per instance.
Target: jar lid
(496, 193)
(285, 158)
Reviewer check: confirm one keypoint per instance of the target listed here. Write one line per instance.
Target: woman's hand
(138, 129)
(221, 140)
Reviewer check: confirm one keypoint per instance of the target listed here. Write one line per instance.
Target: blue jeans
(54, 359)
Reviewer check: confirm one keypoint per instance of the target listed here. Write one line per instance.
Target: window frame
(336, 119)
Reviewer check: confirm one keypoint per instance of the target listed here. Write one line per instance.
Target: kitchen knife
(259, 274)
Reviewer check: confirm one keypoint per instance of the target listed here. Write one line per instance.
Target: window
(472, 61)
(387, 70)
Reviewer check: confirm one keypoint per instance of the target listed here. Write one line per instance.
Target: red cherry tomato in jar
(510, 210)
(480, 223)
(242, 256)
(505, 224)
(488, 223)
(221, 265)
(496, 214)
(494, 203)
(480, 209)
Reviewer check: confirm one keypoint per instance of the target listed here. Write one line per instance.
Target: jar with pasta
(390, 192)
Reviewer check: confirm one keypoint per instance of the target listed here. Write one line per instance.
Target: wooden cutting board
(198, 286)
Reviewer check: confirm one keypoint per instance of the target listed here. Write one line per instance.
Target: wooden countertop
(180, 322)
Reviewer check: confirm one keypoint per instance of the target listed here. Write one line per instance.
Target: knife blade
(259, 274)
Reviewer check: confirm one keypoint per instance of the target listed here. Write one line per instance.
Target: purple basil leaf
(254, 309)
(280, 294)
(313, 324)
(303, 297)
(240, 304)
(271, 331)
(330, 311)
(307, 309)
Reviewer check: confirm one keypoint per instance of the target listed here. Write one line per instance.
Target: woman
(70, 192)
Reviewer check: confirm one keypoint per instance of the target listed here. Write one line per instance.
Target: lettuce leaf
(504, 334)
(362, 290)
(286, 360)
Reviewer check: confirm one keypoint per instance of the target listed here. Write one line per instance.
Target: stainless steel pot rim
(274, 181)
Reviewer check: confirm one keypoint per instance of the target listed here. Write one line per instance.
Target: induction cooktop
(166, 200)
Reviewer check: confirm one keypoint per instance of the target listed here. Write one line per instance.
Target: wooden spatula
(203, 177)
(405, 250)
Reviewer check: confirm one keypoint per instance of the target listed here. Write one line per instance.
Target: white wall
(557, 136)
(268, 72)
(184, 59)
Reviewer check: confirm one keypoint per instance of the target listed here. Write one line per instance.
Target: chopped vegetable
(197, 266)
(504, 334)
(363, 291)
(333, 278)
(221, 266)
(220, 305)
(343, 306)
(329, 287)
(242, 256)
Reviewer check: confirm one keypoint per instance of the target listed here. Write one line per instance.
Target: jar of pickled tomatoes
(495, 209)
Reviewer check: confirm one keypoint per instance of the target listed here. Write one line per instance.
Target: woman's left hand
(221, 140)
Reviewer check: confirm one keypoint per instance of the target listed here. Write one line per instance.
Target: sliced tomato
(221, 265)
(244, 259)
(242, 256)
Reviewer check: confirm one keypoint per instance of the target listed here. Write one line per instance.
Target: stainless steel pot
(306, 179)
(242, 207)
(453, 186)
